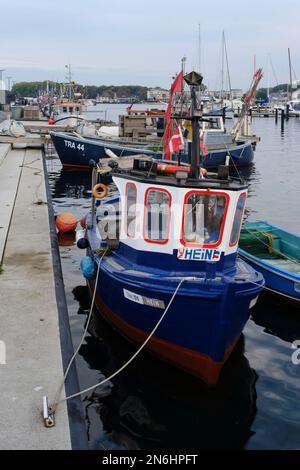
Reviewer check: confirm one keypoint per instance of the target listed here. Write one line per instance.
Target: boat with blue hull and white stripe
(171, 280)
(274, 252)
(78, 151)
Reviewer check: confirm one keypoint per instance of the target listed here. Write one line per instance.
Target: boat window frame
(163, 190)
(206, 192)
(126, 208)
(244, 194)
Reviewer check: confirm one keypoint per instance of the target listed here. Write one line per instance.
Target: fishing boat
(163, 267)
(76, 151)
(274, 252)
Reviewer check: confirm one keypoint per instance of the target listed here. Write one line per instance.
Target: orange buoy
(83, 221)
(66, 222)
(171, 169)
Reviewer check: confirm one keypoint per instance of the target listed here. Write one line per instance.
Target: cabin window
(204, 218)
(77, 108)
(64, 109)
(237, 222)
(157, 215)
(130, 209)
(71, 109)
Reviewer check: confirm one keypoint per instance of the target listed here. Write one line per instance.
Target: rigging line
(273, 70)
(230, 156)
(58, 393)
(293, 260)
(134, 355)
(273, 290)
(294, 73)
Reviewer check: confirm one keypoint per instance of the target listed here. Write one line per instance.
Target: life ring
(103, 193)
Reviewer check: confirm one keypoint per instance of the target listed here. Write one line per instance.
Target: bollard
(282, 119)
(276, 115)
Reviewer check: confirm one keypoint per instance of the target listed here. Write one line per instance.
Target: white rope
(275, 291)
(134, 355)
(58, 393)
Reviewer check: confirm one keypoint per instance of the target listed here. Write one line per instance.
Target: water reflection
(66, 239)
(72, 184)
(278, 317)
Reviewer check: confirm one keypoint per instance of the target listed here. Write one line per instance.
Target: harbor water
(151, 405)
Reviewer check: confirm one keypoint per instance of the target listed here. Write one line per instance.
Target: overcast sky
(135, 42)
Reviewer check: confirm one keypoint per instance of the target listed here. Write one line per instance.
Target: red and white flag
(175, 88)
(175, 143)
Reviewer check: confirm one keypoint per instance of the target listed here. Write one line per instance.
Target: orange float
(66, 222)
(168, 169)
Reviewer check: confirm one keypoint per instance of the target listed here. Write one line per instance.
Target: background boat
(274, 252)
(76, 151)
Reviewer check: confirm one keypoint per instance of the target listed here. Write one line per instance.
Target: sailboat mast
(222, 71)
(227, 65)
(290, 67)
(199, 47)
(268, 79)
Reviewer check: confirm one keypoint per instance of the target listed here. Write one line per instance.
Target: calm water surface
(154, 406)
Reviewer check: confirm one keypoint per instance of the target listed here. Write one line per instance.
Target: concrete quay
(33, 330)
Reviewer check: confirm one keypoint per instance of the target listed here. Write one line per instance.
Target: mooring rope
(57, 401)
(58, 393)
(274, 291)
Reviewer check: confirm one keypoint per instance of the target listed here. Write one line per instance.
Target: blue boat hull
(278, 276)
(202, 325)
(281, 282)
(77, 152)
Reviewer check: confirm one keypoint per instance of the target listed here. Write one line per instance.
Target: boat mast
(199, 47)
(222, 70)
(268, 79)
(227, 65)
(69, 79)
(183, 61)
(194, 80)
(290, 67)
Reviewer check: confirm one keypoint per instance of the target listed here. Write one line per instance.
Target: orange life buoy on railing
(103, 192)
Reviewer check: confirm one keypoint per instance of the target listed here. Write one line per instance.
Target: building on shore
(158, 94)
